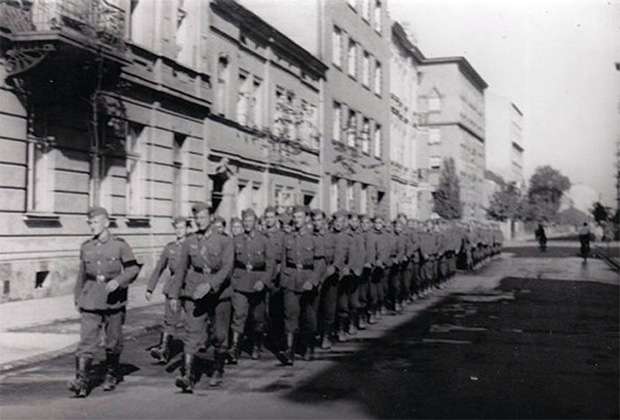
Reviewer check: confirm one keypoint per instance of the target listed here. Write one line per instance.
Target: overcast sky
(553, 58)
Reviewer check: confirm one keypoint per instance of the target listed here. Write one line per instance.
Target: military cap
(318, 212)
(270, 209)
(353, 215)
(378, 217)
(97, 211)
(234, 220)
(219, 219)
(248, 212)
(199, 206)
(179, 219)
(300, 209)
(340, 213)
(364, 216)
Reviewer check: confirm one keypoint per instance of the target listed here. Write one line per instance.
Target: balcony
(61, 32)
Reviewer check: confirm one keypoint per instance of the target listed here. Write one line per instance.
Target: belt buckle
(300, 266)
(100, 278)
(248, 267)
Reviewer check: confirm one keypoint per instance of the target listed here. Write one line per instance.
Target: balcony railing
(94, 19)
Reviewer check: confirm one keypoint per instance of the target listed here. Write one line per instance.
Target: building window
(285, 196)
(434, 136)
(350, 201)
(352, 58)
(378, 77)
(243, 99)
(377, 16)
(337, 122)
(333, 194)
(351, 128)
(364, 199)
(135, 202)
(377, 141)
(178, 192)
(366, 136)
(308, 130)
(222, 82)
(41, 181)
(366, 69)
(256, 104)
(434, 101)
(337, 46)
(435, 162)
(366, 10)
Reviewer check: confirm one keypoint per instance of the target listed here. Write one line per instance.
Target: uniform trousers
(377, 295)
(348, 296)
(363, 287)
(300, 311)
(328, 303)
(173, 320)
(111, 320)
(394, 285)
(207, 314)
(407, 277)
(248, 304)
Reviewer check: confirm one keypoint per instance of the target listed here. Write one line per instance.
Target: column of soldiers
(288, 281)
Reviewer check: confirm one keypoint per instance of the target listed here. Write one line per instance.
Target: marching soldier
(323, 267)
(399, 266)
(348, 302)
(236, 227)
(250, 281)
(383, 262)
(297, 282)
(364, 280)
(107, 267)
(202, 282)
(172, 319)
(275, 300)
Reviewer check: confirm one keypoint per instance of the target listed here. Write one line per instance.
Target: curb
(9, 367)
(610, 261)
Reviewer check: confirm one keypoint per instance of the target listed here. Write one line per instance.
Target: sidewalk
(36, 329)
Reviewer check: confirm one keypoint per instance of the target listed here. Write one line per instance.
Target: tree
(600, 212)
(447, 197)
(547, 185)
(505, 204)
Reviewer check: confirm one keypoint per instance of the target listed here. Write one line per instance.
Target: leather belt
(300, 266)
(240, 265)
(102, 279)
(202, 270)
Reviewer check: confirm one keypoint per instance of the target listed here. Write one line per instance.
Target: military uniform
(202, 282)
(348, 292)
(297, 272)
(173, 323)
(103, 259)
(397, 274)
(275, 296)
(251, 278)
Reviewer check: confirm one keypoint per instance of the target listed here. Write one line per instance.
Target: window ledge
(138, 221)
(41, 216)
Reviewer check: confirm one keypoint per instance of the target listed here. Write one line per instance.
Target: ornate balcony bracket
(22, 58)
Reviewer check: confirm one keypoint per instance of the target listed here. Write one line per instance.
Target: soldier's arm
(270, 262)
(79, 283)
(131, 268)
(228, 260)
(159, 269)
(340, 253)
(179, 271)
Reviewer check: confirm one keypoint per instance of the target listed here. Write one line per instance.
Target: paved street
(530, 336)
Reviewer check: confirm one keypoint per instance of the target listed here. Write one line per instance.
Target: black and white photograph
(309, 209)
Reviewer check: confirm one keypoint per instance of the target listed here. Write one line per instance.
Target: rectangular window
(366, 136)
(351, 128)
(377, 16)
(222, 83)
(337, 122)
(366, 69)
(378, 77)
(41, 182)
(256, 104)
(364, 199)
(337, 46)
(434, 103)
(352, 58)
(135, 202)
(333, 195)
(243, 99)
(366, 10)
(177, 174)
(377, 141)
(256, 200)
(434, 136)
(350, 202)
(435, 162)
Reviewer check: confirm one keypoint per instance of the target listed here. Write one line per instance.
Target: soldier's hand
(202, 290)
(148, 295)
(307, 285)
(174, 305)
(111, 286)
(259, 286)
(330, 270)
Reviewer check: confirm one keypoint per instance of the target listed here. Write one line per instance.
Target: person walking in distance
(107, 268)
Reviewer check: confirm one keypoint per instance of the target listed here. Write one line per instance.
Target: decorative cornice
(465, 67)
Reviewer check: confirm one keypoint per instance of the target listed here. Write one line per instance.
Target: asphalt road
(492, 345)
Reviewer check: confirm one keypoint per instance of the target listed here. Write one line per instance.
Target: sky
(553, 58)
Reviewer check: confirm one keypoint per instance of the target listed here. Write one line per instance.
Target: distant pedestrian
(585, 236)
(541, 237)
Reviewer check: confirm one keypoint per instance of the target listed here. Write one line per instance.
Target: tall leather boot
(233, 353)
(257, 346)
(361, 318)
(186, 380)
(353, 322)
(326, 343)
(80, 385)
(218, 373)
(111, 374)
(342, 327)
(287, 355)
(309, 347)
(162, 352)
